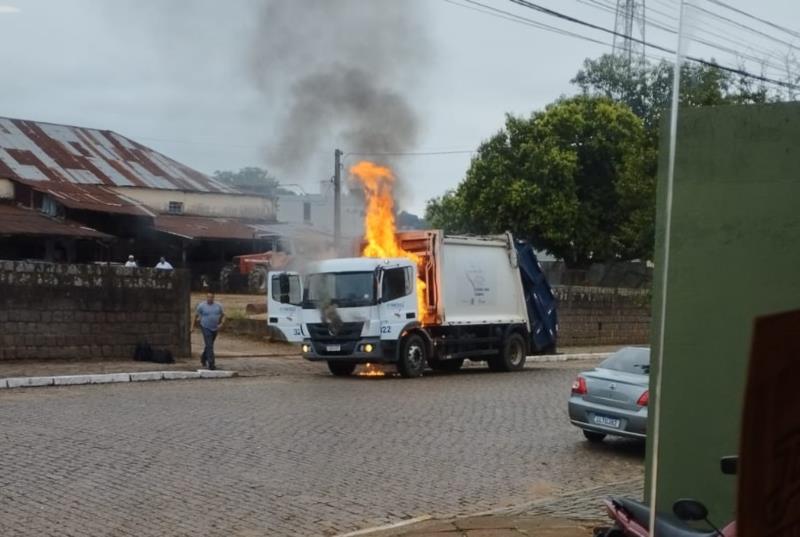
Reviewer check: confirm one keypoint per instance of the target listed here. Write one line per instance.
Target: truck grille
(345, 332)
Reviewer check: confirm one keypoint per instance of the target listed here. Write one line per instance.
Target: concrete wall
(90, 311)
(203, 203)
(596, 316)
(733, 256)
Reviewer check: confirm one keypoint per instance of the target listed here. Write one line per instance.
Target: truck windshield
(343, 289)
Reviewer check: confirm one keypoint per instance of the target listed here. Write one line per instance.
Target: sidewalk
(573, 514)
(248, 357)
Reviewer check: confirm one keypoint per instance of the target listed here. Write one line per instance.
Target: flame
(379, 222)
(370, 370)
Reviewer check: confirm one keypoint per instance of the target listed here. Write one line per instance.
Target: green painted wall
(735, 254)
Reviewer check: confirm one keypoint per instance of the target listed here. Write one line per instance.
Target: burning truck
(416, 298)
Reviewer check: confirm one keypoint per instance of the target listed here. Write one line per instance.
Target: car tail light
(644, 399)
(579, 386)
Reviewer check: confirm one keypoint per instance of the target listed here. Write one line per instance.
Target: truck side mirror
(285, 288)
(690, 510)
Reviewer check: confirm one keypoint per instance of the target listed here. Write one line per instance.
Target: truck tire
(512, 356)
(341, 369)
(449, 366)
(413, 356)
(257, 280)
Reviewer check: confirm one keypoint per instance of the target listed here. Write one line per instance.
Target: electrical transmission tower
(629, 30)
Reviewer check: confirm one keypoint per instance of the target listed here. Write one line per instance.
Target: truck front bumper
(362, 351)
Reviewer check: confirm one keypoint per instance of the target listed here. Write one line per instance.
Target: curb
(393, 526)
(107, 378)
(508, 510)
(567, 357)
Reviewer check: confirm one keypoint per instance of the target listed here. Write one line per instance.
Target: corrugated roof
(40, 152)
(201, 227)
(89, 197)
(18, 221)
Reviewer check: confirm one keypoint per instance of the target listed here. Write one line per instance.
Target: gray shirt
(210, 315)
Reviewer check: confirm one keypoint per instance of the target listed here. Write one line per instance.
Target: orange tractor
(248, 273)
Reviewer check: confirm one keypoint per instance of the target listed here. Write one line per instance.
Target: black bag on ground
(144, 352)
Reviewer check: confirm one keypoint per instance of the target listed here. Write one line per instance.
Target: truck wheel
(512, 356)
(341, 369)
(446, 365)
(413, 356)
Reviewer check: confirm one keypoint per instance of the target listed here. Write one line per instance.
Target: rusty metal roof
(89, 197)
(19, 221)
(48, 153)
(202, 227)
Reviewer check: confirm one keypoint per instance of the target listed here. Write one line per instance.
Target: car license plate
(333, 348)
(606, 421)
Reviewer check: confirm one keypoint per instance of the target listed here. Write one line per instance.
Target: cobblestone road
(296, 454)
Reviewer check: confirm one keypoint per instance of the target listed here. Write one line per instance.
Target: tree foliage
(647, 87)
(572, 179)
(253, 180)
(578, 179)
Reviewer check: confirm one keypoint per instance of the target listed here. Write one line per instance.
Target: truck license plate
(606, 421)
(333, 348)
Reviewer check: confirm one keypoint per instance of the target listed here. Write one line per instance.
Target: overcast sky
(177, 75)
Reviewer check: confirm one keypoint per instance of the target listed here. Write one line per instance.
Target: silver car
(612, 398)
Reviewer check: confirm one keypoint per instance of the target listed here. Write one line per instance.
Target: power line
(507, 15)
(789, 31)
(569, 18)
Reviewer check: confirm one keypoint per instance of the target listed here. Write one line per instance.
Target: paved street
(301, 453)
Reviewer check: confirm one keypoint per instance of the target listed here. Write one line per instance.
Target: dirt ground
(234, 305)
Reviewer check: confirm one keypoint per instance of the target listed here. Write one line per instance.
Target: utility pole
(337, 199)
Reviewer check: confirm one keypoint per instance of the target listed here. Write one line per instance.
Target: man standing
(131, 262)
(211, 317)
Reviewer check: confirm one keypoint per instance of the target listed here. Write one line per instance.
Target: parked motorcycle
(632, 518)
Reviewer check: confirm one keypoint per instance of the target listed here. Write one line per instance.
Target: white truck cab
(346, 311)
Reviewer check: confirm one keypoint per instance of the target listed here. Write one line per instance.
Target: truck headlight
(306, 348)
(368, 347)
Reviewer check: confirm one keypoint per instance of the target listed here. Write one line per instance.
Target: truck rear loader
(453, 298)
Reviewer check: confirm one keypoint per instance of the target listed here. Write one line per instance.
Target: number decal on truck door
(386, 329)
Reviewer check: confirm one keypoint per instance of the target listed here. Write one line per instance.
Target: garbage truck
(454, 298)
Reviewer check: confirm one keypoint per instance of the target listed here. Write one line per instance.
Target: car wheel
(413, 356)
(593, 437)
(341, 369)
(512, 356)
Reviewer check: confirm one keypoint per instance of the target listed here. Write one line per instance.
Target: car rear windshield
(629, 360)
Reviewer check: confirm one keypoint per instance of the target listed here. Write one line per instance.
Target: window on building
(176, 207)
(51, 207)
(306, 211)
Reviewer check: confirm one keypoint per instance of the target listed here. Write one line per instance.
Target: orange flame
(379, 222)
(370, 370)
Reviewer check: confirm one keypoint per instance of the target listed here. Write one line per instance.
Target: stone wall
(593, 316)
(90, 311)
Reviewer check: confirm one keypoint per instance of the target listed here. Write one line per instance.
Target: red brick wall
(594, 316)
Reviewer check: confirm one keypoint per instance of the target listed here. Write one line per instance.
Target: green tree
(251, 179)
(647, 87)
(572, 178)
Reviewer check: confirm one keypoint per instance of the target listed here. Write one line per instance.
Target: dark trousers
(208, 352)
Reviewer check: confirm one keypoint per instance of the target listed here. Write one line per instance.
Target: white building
(314, 211)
